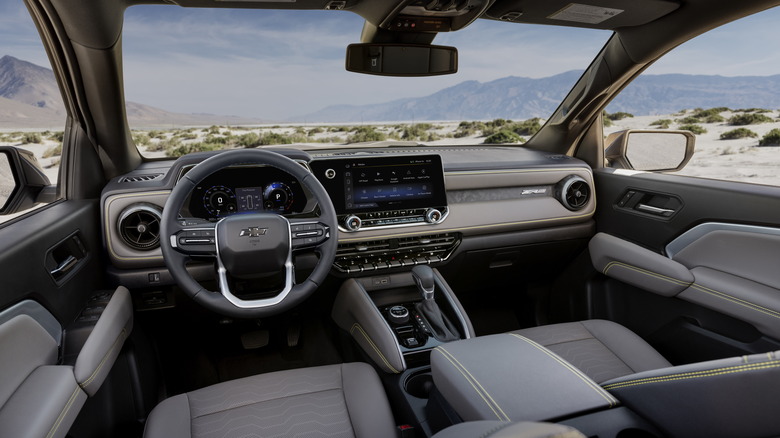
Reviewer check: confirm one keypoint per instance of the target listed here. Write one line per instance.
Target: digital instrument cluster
(247, 189)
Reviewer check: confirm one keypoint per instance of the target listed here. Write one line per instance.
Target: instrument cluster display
(247, 189)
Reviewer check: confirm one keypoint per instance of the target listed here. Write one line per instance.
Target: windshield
(200, 79)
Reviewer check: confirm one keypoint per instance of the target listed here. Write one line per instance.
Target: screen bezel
(335, 184)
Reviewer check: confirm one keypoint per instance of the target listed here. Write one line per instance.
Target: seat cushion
(345, 400)
(603, 350)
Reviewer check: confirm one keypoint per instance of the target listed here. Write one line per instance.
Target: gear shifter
(440, 325)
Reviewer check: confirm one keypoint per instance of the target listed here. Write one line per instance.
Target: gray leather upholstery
(24, 346)
(354, 312)
(734, 397)
(603, 350)
(336, 400)
(638, 266)
(499, 429)
(105, 342)
(508, 377)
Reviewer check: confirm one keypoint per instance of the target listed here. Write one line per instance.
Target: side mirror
(650, 150)
(22, 180)
(402, 59)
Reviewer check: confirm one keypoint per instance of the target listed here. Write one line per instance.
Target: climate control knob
(352, 223)
(432, 216)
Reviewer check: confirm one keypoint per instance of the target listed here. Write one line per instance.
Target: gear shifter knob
(423, 276)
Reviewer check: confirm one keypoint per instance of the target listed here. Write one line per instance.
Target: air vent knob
(432, 216)
(352, 223)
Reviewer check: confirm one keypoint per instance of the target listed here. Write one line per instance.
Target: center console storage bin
(508, 377)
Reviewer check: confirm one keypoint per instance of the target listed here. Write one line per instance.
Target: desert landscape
(731, 144)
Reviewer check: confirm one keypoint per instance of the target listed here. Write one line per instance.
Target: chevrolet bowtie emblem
(253, 232)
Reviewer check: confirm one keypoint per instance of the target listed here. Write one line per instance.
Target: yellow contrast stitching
(365, 335)
(646, 272)
(65, 409)
(103, 362)
(477, 382)
(735, 300)
(695, 375)
(439, 349)
(611, 400)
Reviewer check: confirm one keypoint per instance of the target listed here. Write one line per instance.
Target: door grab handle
(65, 266)
(654, 210)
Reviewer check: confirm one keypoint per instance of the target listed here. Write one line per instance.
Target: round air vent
(573, 192)
(139, 226)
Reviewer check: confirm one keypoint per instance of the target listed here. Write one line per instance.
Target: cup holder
(419, 385)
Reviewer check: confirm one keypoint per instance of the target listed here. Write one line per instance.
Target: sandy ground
(735, 160)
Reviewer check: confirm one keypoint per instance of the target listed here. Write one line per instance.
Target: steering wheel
(248, 246)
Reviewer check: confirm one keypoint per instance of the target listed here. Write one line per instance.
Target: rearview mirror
(402, 59)
(650, 150)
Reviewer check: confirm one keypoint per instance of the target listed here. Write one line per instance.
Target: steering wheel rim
(176, 258)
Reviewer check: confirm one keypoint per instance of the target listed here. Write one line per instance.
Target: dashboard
(396, 207)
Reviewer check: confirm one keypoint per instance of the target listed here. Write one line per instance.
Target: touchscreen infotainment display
(370, 184)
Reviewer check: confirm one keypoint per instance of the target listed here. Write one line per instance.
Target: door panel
(733, 305)
(54, 257)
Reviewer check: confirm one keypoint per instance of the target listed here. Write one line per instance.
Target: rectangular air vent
(139, 178)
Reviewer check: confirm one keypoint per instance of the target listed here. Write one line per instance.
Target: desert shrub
(417, 131)
(527, 127)
(714, 118)
(662, 123)
(31, 138)
(753, 110)
(497, 123)
(749, 119)
(57, 136)
(366, 133)
(704, 113)
(189, 148)
(216, 140)
(738, 133)
(617, 116)
(772, 138)
(141, 139)
(314, 131)
(186, 136)
(248, 140)
(503, 136)
(331, 139)
(213, 129)
(689, 120)
(55, 151)
(275, 138)
(696, 129)
(467, 129)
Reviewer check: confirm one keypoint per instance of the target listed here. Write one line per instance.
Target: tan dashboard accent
(113, 207)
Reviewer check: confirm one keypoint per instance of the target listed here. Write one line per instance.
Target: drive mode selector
(432, 216)
(352, 223)
(398, 314)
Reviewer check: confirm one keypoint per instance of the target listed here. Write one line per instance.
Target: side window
(724, 87)
(32, 114)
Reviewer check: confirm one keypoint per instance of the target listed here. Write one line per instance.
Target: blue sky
(277, 64)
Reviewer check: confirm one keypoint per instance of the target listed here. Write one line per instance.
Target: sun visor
(594, 14)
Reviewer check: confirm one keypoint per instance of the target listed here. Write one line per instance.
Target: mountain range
(522, 98)
(29, 98)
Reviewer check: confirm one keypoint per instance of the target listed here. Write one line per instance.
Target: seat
(603, 350)
(341, 400)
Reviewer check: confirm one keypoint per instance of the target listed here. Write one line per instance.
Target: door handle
(658, 211)
(64, 267)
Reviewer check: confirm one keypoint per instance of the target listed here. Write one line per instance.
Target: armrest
(638, 266)
(508, 377)
(354, 312)
(720, 398)
(105, 342)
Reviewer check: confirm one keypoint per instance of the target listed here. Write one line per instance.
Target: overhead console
(435, 15)
(384, 192)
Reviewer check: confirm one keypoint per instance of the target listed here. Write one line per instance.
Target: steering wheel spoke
(308, 233)
(199, 240)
